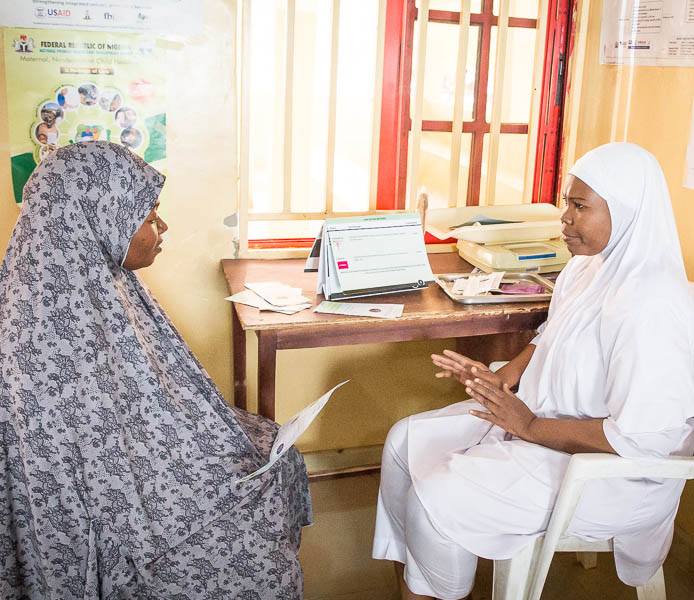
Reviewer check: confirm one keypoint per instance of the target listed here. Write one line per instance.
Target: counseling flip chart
(647, 33)
(68, 86)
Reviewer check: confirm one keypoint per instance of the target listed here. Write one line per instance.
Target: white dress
(617, 345)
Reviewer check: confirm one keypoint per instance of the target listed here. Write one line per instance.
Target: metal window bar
(415, 149)
(497, 99)
(456, 195)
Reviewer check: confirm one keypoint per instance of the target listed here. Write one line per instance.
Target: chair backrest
(583, 467)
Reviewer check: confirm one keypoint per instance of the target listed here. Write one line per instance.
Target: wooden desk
(428, 314)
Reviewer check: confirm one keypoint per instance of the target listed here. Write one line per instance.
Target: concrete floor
(336, 556)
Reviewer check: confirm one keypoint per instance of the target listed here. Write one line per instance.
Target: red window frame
(395, 105)
(395, 113)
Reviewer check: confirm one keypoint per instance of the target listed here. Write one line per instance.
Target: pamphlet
(382, 311)
(375, 254)
(291, 431)
(250, 298)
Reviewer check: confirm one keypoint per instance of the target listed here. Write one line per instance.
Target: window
(350, 107)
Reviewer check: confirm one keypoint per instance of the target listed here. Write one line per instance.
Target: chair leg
(512, 576)
(589, 560)
(653, 589)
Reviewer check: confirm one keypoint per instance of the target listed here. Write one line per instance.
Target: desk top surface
(430, 304)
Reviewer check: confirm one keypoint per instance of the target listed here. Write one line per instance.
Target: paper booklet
(291, 431)
(375, 254)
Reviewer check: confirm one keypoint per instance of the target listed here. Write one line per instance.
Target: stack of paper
(273, 296)
(477, 285)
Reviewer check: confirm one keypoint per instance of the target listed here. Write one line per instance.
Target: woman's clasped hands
(490, 390)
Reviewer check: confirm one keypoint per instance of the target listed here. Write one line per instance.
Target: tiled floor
(336, 554)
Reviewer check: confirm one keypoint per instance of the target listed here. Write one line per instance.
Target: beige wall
(652, 107)
(388, 380)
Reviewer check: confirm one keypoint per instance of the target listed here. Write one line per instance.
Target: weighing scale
(521, 238)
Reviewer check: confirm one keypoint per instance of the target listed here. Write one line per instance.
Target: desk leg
(238, 340)
(267, 361)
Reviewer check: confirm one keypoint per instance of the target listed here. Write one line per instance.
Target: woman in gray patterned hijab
(120, 457)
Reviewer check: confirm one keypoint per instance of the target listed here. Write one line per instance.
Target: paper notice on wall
(647, 33)
(168, 18)
(689, 160)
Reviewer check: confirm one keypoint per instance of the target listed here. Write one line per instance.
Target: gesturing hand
(506, 409)
(461, 368)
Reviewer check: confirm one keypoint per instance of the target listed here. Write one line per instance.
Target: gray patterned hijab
(117, 445)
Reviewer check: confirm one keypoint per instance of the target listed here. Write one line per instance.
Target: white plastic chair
(523, 576)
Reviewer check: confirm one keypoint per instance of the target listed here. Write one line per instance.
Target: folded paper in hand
(291, 430)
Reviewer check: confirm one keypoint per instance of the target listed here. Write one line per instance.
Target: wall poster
(647, 33)
(171, 18)
(69, 86)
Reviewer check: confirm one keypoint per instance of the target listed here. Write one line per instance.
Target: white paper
(278, 294)
(382, 311)
(292, 430)
(482, 219)
(250, 298)
(647, 32)
(477, 285)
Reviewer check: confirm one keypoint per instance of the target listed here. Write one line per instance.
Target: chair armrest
(584, 466)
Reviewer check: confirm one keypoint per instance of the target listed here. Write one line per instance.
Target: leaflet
(382, 311)
(291, 431)
(250, 298)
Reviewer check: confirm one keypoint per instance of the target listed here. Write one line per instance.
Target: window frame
(395, 123)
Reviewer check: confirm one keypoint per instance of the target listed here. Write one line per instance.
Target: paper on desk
(278, 294)
(476, 285)
(481, 219)
(250, 298)
(383, 311)
(292, 430)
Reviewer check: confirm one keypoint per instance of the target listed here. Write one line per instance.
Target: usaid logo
(40, 13)
(60, 13)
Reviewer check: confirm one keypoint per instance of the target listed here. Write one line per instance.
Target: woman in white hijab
(610, 371)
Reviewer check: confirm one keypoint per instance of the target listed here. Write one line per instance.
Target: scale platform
(541, 257)
(518, 238)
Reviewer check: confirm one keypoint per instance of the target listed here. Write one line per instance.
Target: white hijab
(618, 340)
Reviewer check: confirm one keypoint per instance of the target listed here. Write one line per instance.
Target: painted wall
(652, 107)
(389, 381)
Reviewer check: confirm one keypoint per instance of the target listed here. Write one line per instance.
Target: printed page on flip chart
(291, 431)
(376, 254)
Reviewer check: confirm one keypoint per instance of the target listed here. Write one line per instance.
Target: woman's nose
(565, 216)
(162, 225)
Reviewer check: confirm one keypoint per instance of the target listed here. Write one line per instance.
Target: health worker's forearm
(511, 372)
(569, 435)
